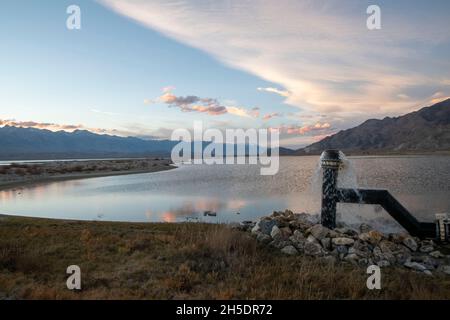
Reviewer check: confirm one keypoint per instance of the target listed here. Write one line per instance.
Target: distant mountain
(421, 131)
(30, 143)
(427, 129)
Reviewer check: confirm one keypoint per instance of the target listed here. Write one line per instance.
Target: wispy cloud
(320, 52)
(438, 97)
(271, 116)
(280, 92)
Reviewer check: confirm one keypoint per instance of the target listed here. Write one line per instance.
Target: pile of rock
(295, 234)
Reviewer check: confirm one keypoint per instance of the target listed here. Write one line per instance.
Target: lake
(235, 192)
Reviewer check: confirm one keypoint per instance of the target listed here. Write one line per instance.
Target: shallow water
(235, 192)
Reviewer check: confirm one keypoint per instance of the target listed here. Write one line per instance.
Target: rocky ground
(302, 234)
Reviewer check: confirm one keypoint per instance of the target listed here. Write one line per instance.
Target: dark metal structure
(331, 162)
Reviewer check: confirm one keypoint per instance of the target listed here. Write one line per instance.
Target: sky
(147, 67)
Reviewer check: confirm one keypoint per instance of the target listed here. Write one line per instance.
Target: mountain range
(425, 130)
(31, 143)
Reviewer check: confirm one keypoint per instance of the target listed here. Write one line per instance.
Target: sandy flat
(22, 174)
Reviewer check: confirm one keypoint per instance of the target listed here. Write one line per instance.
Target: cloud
(208, 106)
(438, 97)
(282, 93)
(252, 113)
(302, 130)
(319, 51)
(133, 130)
(168, 89)
(271, 115)
(48, 126)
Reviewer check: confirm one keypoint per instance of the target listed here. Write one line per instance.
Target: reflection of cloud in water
(195, 208)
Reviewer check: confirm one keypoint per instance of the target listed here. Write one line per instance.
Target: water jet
(331, 163)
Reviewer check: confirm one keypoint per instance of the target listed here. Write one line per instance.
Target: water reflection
(419, 183)
(196, 209)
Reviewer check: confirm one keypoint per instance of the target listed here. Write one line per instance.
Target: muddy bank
(22, 174)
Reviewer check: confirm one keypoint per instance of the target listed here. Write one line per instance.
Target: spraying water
(356, 213)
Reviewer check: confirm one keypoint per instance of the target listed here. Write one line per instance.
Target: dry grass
(178, 261)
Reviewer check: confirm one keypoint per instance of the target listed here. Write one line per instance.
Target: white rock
(426, 248)
(311, 239)
(436, 254)
(445, 269)
(289, 250)
(415, 266)
(256, 229)
(343, 241)
(410, 243)
(275, 233)
(318, 231)
(383, 263)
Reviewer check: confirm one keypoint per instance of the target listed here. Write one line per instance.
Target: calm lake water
(235, 192)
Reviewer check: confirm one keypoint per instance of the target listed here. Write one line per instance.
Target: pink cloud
(271, 115)
(208, 106)
(301, 130)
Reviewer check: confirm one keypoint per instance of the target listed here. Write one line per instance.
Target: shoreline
(33, 173)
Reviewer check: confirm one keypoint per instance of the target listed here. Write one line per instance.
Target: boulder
(311, 239)
(289, 250)
(426, 246)
(265, 226)
(263, 238)
(402, 257)
(279, 244)
(410, 243)
(298, 240)
(397, 238)
(379, 255)
(373, 237)
(436, 254)
(334, 234)
(275, 233)
(415, 266)
(429, 262)
(387, 246)
(281, 221)
(318, 231)
(313, 249)
(341, 250)
(326, 243)
(383, 263)
(352, 258)
(298, 234)
(362, 249)
(445, 269)
(342, 241)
